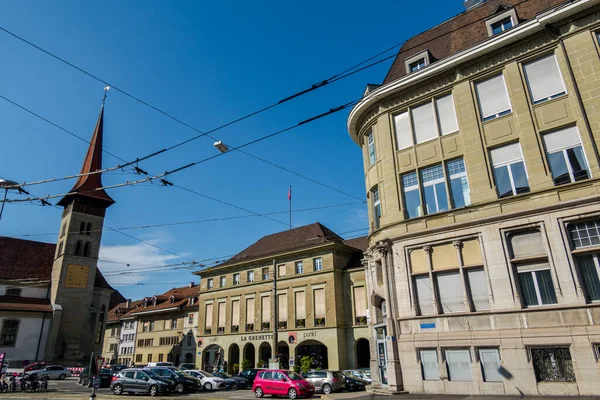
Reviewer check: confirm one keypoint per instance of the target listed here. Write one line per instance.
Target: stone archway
(233, 358)
(212, 355)
(363, 353)
(264, 354)
(283, 353)
(314, 349)
(249, 354)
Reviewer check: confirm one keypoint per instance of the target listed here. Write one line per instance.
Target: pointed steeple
(86, 185)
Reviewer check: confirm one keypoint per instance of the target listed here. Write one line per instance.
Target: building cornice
(516, 34)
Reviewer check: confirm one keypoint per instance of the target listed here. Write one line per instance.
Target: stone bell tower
(77, 294)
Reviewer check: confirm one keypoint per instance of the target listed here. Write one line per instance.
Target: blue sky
(205, 63)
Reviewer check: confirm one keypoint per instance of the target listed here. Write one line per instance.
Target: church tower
(78, 292)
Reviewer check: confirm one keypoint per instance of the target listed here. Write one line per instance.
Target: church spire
(87, 185)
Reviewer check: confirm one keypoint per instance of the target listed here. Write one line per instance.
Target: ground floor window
(552, 364)
(138, 358)
(458, 362)
(490, 365)
(429, 365)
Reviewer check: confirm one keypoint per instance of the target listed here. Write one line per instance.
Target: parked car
(282, 383)
(354, 385)
(182, 381)
(326, 381)
(358, 374)
(160, 364)
(114, 369)
(53, 372)
(35, 366)
(250, 374)
(209, 381)
(187, 366)
(233, 382)
(133, 380)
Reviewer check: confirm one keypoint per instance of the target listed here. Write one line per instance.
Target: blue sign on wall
(428, 326)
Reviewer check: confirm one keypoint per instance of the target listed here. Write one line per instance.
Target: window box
(235, 328)
(360, 320)
(249, 327)
(265, 326)
(319, 321)
(282, 325)
(220, 331)
(300, 323)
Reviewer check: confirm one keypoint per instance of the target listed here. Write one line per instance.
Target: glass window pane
(413, 203)
(519, 177)
(578, 163)
(459, 365)
(493, 98)
(403, 132)
(589, 276)
(441, 196)
(478, 289)
(490, 364)
(585, 233)
(502, 180)
(424, 294)
(552, 364)
(558, 167)
(430, 206)
(429, 365)
(446, 114)
(528, 294)
(450, 291)
(371, 148)
(544, 281)
(461, 195)
(424, 123)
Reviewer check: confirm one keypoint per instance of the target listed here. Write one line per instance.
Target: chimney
(472, 3)
(192, 284)
(128, 303)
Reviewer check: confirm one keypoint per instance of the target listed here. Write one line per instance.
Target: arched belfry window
(88, 228)
(87, 249)
(82, 228)
(78, 248)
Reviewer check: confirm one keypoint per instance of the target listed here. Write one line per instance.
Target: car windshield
(206, 374)
(105, 371)
(223, 375)
(294, 376)
(179, 373)
(337, 374)
(151, 374)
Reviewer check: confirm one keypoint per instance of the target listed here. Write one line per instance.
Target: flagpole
(290, 198)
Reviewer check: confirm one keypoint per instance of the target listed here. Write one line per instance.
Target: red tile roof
(27, 304)
(182, 296)
(463, 31)
(360, 243)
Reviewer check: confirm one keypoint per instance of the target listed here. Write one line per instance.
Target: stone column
(458, 245)
(373, 364)
(434, 298)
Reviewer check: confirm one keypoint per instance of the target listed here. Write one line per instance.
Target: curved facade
(481, 166)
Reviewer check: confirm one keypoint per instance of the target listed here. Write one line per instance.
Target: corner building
(321, 303)
(482, 169)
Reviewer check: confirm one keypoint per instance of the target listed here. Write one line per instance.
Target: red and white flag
(290, 194)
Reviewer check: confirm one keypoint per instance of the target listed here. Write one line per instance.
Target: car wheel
(208, 386)
(62, 377)
(234, 386)
(326, 389)
(292, 393)
(153, 390)
(118, 389)
(258, 392)
(179, 388)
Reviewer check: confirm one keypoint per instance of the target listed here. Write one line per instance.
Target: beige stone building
(482, 170)
(321, 303)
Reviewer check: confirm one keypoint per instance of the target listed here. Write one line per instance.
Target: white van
(160, 364)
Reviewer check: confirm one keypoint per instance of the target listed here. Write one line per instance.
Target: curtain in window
(235, 312)
(490, 363)
(424, 294)
(478, 288)
(282, 304)
(492, 96)
(265, 306)
(459, 365)
(250, 311)
(429, 365)
(446, 114)
(527, 244)
(528, 294)
(300, 305)
(222, 315)
(208, 316)
(589, 276)
(360, 302)
(404, 137)
(424, 122)
(544, 79)
(319, 298)
(451, 293)
(547, 293)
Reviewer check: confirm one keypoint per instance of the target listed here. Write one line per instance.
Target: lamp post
(7, 185)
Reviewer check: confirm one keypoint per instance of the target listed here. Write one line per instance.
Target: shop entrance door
(380, 333)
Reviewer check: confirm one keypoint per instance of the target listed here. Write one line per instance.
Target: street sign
(273, 363)
(99, 361)
(291, 362)
(26, 363)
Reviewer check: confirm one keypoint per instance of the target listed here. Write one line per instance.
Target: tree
(305, 363)
(246, 364)
(236, 368)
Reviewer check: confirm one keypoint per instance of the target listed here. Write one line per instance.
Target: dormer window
(502, 21)
(417, 62)
(172, 299)
(145, 303)
(154, 302)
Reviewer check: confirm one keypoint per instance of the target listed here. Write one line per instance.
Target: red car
(278, 382)
(35, 366)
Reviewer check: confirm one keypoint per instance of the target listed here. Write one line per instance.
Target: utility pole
(275, 312)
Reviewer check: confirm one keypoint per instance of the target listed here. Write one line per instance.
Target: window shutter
(404, 137)
(490, 361)
(424, 123)
(533, 267)
(446, 114)
(281, 270)
(450, 290)
(249, 311)
(222, 315)
(544, 79)
(492, 96)
(235, 312)
(208, 316)
(527, 244)
(506, 154)
(424, 294)
(478, 288)
(459, 365)
(360, 302)
(429, 363)
(283, 307)
(300, 305)
(562, 139)
(319, 299)
(265, 303)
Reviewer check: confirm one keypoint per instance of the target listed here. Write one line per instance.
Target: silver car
(326, 381)
(53, 372)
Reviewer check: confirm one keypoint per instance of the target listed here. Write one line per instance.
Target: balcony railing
(301, 323)
(282, 325)
(249, 327)
(265, 326)
(319, 321)
(235, 328)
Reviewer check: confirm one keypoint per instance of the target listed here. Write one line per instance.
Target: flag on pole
(290, 194)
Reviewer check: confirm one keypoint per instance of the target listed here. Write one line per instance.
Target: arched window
(88, 228)
(78, 248)
(98, 336)
(87, 249)
(82, 228)
(60, 249)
